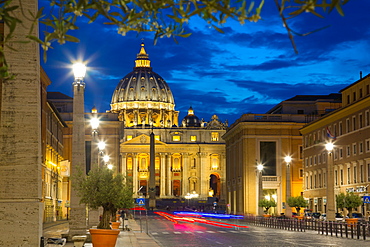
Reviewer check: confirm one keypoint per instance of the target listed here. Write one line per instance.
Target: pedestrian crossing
(193, 232)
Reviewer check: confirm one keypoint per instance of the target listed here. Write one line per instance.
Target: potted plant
(349, 201)
(266, 204)
(297, 202)
(101, 188)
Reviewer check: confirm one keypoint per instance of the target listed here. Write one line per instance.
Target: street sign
(366, 199)
(140, 201)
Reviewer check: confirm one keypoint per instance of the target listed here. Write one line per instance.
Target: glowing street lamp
(260, 187)
(101, 145)
(330, 203)
(78, 211)
(288, 160)
(110, 166)
(94, 122)
(106, 158)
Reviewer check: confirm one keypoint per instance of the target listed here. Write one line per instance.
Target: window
(214, 136)
(268, 158)
(129, 137)
(319, 158)
(367, 143)
(336, 177)
(348, 150)
(157, 137)
(341, 177)
(340, 130)
(319, 182)
(348, 99)
(368, 172)
(306, 162)
(193, 138)
(360, 147)
(157, 163)
(324, 179)
(360, 92)
(314, 181)
(354, 174)
(354, 96)
(176, 138)
(360, 121)
(300, 111)
(347, 125)
(348, 175)
(300, 172)
(310, 160)
(300, 152)
(354, 148)
(314, 160)
(215, 162)
(176, 166)
(362, 173)
(367, 118)
(129, 164)
(341, 153)
(353, 123)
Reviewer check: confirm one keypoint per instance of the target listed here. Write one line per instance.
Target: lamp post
(77, 223)
(288, 210)
(260, 187)
(330, 203)
(101, 147)
(94, 122)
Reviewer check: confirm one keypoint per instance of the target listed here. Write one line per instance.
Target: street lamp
(260, 187)
(78, 211)
(288, 160)
(101, 147)
(330, 203)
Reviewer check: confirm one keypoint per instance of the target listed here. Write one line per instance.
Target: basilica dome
(191, 120)
(143, 96)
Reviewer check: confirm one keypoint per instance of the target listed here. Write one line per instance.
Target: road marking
(222, 231)
(210, 231)
(154, 233)
(177, 232)
(188, 232)
(165, 232)
(198, 231)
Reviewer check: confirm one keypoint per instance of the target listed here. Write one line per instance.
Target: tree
(297, 202)
(164, 18)
(267, 204)
(348, 201)
(101, 188)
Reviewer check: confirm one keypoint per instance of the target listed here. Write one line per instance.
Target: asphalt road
(169, 234)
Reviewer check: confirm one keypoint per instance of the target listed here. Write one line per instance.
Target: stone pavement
(133, 238)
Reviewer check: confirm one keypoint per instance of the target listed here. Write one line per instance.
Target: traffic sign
(140, 201)
(366, 199)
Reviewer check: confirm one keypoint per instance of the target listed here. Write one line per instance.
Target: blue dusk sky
(247, 69)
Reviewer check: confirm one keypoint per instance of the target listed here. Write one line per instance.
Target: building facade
(189, 154)
(348, 128)
(267, 139)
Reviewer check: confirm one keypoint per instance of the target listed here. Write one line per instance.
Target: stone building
(268, 139)
(348, 128)
(190, 154)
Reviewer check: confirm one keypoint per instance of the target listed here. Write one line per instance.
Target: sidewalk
(132, 238)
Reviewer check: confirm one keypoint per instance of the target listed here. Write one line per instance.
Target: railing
(359, 230)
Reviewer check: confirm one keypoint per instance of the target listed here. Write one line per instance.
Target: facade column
(124, 164)
(169, 175)
(163, 175)
(204, 187)
(134, 174)
(20, 137)
(185, 174)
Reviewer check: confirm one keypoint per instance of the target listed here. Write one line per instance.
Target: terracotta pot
(104, 237)
(266, 215)
(351, 221)
(118, 216)
(299, 217)
(115, 225)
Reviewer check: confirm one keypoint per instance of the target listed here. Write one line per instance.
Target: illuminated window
(176, 165)
(157, 163)
(193, 138)
(129, 163)
(176, 138)
(157, 137)
(215, 161)
(214, 136)
(129, 137)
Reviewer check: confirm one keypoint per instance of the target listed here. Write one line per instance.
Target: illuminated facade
(349, 129)
(190, 154)
(267, 139)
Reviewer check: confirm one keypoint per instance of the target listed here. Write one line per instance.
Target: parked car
(338, 217)
(316, 216)
(358, 216)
